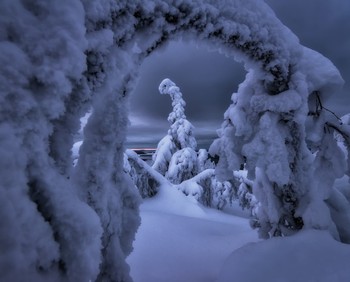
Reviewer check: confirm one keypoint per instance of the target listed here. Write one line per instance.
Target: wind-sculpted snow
(60, 58)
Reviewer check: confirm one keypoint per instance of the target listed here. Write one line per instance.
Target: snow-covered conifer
(146, 179)
(183, 165)
(175, 156)
(181, 130)
(277, 157)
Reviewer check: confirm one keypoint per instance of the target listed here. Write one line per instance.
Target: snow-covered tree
(177, 160)
(181, 130)
(60, 58)
(146, 179)
(277, 155)
(182, 166)
(175, 156)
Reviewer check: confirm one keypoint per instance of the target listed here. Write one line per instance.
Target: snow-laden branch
(193, 186)
(144, 168)
(208, 190)
(232, 28)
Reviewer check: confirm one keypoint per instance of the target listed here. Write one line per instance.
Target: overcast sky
(207, 79)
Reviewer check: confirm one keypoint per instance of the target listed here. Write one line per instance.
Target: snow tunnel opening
(206, 79)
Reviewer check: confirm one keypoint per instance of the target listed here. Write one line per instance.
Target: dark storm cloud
(145, 131)
(207, 79)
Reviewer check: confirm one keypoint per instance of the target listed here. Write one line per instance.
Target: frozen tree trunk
(99, 171)
(47, 232)
(104, 186)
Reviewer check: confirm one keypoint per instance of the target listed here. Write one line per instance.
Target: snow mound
(180, 240)
(307, 256)
(172, 201)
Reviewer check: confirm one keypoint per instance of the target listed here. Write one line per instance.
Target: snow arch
(59, 59)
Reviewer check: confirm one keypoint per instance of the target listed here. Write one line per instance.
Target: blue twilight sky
(207, 79)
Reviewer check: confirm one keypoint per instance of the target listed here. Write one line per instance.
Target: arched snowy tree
(59, 58)
(276, 148)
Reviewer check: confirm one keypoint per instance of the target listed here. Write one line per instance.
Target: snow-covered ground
(180, 240)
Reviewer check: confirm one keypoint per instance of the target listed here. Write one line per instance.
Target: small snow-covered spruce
(146, 179)
(183, 166)
(175, 156)
(208, 190)
(203, 186)
(181, 130)
(177, 159)
(199, 186)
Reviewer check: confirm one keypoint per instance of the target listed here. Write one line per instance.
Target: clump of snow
(286, 101)
(163, 154)
(75, 151)
(321, 74)
(182, 166)
(267, 150)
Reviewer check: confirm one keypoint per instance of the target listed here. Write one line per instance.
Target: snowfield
(180, 240)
